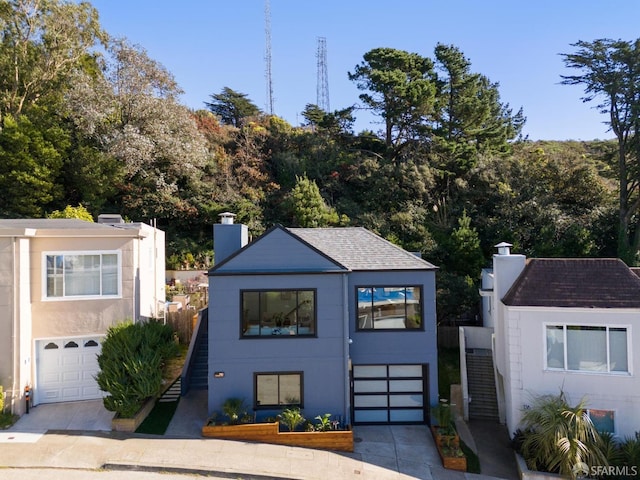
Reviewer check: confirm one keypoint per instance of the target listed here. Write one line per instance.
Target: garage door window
(81, 275)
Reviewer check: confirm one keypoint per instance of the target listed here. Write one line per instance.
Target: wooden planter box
(119, 424)
(341, 440)
(452, 463)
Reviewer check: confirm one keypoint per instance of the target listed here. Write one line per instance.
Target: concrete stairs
(483, 404)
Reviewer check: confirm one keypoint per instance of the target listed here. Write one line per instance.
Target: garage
(388, 394)
(66, 369)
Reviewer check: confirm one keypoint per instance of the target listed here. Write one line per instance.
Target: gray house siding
(321, 359)
(402, 346)
(278, 251)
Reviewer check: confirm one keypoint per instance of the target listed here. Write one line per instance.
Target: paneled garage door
(66, 369)
(385, 394)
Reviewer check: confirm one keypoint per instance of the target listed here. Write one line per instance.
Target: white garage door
(66, 369)
(389, 394)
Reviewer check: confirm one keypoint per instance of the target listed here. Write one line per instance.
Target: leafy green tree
(41, 44)
(399, 87)
(610, 72)
(232, 107)
(29, 164)
(131, 112)
(307, 208)
(557, 436)
(79, 212)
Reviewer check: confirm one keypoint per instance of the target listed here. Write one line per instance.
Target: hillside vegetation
(449, 174)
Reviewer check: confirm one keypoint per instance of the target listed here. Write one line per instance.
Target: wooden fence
(182, 322)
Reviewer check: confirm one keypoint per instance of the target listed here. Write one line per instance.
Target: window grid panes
(389, 308)
(278, 313)
(586, 348)
(82, 275)
(278, 389)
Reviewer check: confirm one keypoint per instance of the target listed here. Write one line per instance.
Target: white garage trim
(65, 369)
(388, 394)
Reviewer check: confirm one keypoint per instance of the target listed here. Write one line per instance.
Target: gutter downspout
(346, 342)
(14, 326)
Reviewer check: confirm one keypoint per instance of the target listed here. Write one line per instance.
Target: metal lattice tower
(322, 89)
(267, 30)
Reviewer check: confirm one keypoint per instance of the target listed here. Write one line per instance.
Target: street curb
(189, 471)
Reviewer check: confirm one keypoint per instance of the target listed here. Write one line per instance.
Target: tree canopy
(93, 121)
(610, 72)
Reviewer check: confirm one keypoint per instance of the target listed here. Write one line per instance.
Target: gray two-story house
(332, 320)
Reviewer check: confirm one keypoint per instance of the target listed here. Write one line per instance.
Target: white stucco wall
(527, 377)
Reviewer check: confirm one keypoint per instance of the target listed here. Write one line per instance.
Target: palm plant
(559, 437)
(291, 418)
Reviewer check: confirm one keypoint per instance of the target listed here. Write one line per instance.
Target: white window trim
(67, 298)
(547, 368)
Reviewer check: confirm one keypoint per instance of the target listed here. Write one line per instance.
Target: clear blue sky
(210, 44)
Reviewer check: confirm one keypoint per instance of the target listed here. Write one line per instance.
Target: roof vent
(110, 218)
(226, 218)
(504, 248)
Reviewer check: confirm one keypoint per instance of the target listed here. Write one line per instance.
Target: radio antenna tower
(322, 89)
(267, 30)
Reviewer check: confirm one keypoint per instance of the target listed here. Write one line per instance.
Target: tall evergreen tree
(232, 107)
(610, 71)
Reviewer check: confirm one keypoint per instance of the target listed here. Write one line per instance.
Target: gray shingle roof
(357, 248)
(575, 282)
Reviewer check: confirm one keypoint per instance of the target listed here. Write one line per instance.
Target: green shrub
(131, 363)
(1, 399)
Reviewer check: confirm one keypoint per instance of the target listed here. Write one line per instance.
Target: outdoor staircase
(195, 374)
(200, 369)
(172, 394)
(483, 402)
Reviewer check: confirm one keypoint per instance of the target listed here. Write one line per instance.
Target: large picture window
(278, 389)
(74, 275)
(278, 313)
(587, 348)
(389, 308)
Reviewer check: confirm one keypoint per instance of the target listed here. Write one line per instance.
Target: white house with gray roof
(332, 320)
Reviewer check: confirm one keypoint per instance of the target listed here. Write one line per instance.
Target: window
(278, 389)
(278, 313)
(603, 420)
(587, 348)
(73, 275)
(389, 308)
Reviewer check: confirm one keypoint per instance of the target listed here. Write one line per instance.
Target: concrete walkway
(80, 438)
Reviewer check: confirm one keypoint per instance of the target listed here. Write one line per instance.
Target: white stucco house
(570, 324)
(63, 283)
